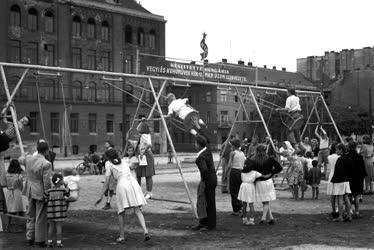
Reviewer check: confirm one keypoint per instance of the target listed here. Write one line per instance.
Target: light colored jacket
(38, 176)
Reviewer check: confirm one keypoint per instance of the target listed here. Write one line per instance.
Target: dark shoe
(40, 244)
(197, 228)
(235, 213)
(50, 245)
(262, 221)
(271, 222)
(147, 237)
(59, 245)
(107, 206)
(30, 242)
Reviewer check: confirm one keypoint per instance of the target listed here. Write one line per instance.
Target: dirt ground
(299, 224)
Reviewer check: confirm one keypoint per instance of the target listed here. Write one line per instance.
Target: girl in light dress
(129, 193)
(247, 191)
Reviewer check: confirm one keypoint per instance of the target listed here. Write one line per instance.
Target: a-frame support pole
(309, 117)
(12, 110)
(158, 99)
(15, 90)
(172, 147)
(332, 119)
(262, 118)
(230, 132)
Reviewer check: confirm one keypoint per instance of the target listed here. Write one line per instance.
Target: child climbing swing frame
(239, 88)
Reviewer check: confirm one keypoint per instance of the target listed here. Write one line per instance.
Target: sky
(265, 32)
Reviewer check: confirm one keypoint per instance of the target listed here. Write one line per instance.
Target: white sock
(193, 132)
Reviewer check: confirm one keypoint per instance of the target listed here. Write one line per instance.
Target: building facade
(104, 35)
(346, 77)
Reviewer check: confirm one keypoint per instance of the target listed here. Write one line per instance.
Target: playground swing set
(245, 93)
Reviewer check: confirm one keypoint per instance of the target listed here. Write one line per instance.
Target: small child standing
(247, 192)
(315, 179)
(72, 179)
(57, 208)
(13, 191)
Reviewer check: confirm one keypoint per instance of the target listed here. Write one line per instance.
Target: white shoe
(245, 220)
(251, 222)
(148, 196)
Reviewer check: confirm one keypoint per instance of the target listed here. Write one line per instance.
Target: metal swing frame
(239, 88)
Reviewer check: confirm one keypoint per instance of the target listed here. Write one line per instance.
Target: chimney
(274, 67)
(283, 69)
(206, 61)
(224, 60)
(193, 63)
(240, 62)
(250, 64)
(265, 67)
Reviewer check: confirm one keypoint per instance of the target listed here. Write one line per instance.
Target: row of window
(32, 19)
(50, 90)
(91, 60)
(94, 31)
(74, 123)
(55, 123)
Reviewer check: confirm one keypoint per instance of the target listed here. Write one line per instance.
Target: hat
(57, 178)
(143, 128)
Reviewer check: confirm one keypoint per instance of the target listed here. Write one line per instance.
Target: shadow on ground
(98, 230)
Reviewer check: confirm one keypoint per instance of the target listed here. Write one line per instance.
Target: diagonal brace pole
(157, 100)
(231, 130)
(173, 148)
(262, 118)
(12, 109)
(332, 119)
(309, 117)
(20, 81)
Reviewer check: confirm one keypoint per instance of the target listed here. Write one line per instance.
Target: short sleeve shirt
(180, 108)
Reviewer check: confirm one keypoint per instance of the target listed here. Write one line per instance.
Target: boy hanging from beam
(9, 134)
(186, 113)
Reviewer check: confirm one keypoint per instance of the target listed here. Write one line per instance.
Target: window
(128, 34)
(34, 117)
(236, 99)
(55, 123)
(208, 118)
(32, 53)
(46, 89)
(152, 39)
(91, 92)
(91, 28)
(15, 51)
(105, 31)
(32, 20)
(77, 58)
(106, 62)
(130, 91)
(91, 59)
(224, 116)
(77, 91)
(244, 117)
(92, 123)
(109, 123)
(74, 122)
(77, 26)
(140, 37)
(28, 90)
(208, 96)
(15, 16)
(129, 64)
(223, 95)
(49, 22)
(49, 54)
(104, 93)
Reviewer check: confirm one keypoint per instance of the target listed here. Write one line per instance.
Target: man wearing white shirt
(293, 108)
(185, 112)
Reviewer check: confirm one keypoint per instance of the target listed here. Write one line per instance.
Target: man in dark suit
(38, 174)
(206, 202)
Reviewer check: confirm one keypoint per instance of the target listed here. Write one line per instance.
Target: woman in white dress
(128, 192)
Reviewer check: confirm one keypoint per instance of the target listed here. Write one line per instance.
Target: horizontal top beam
(120, 74)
